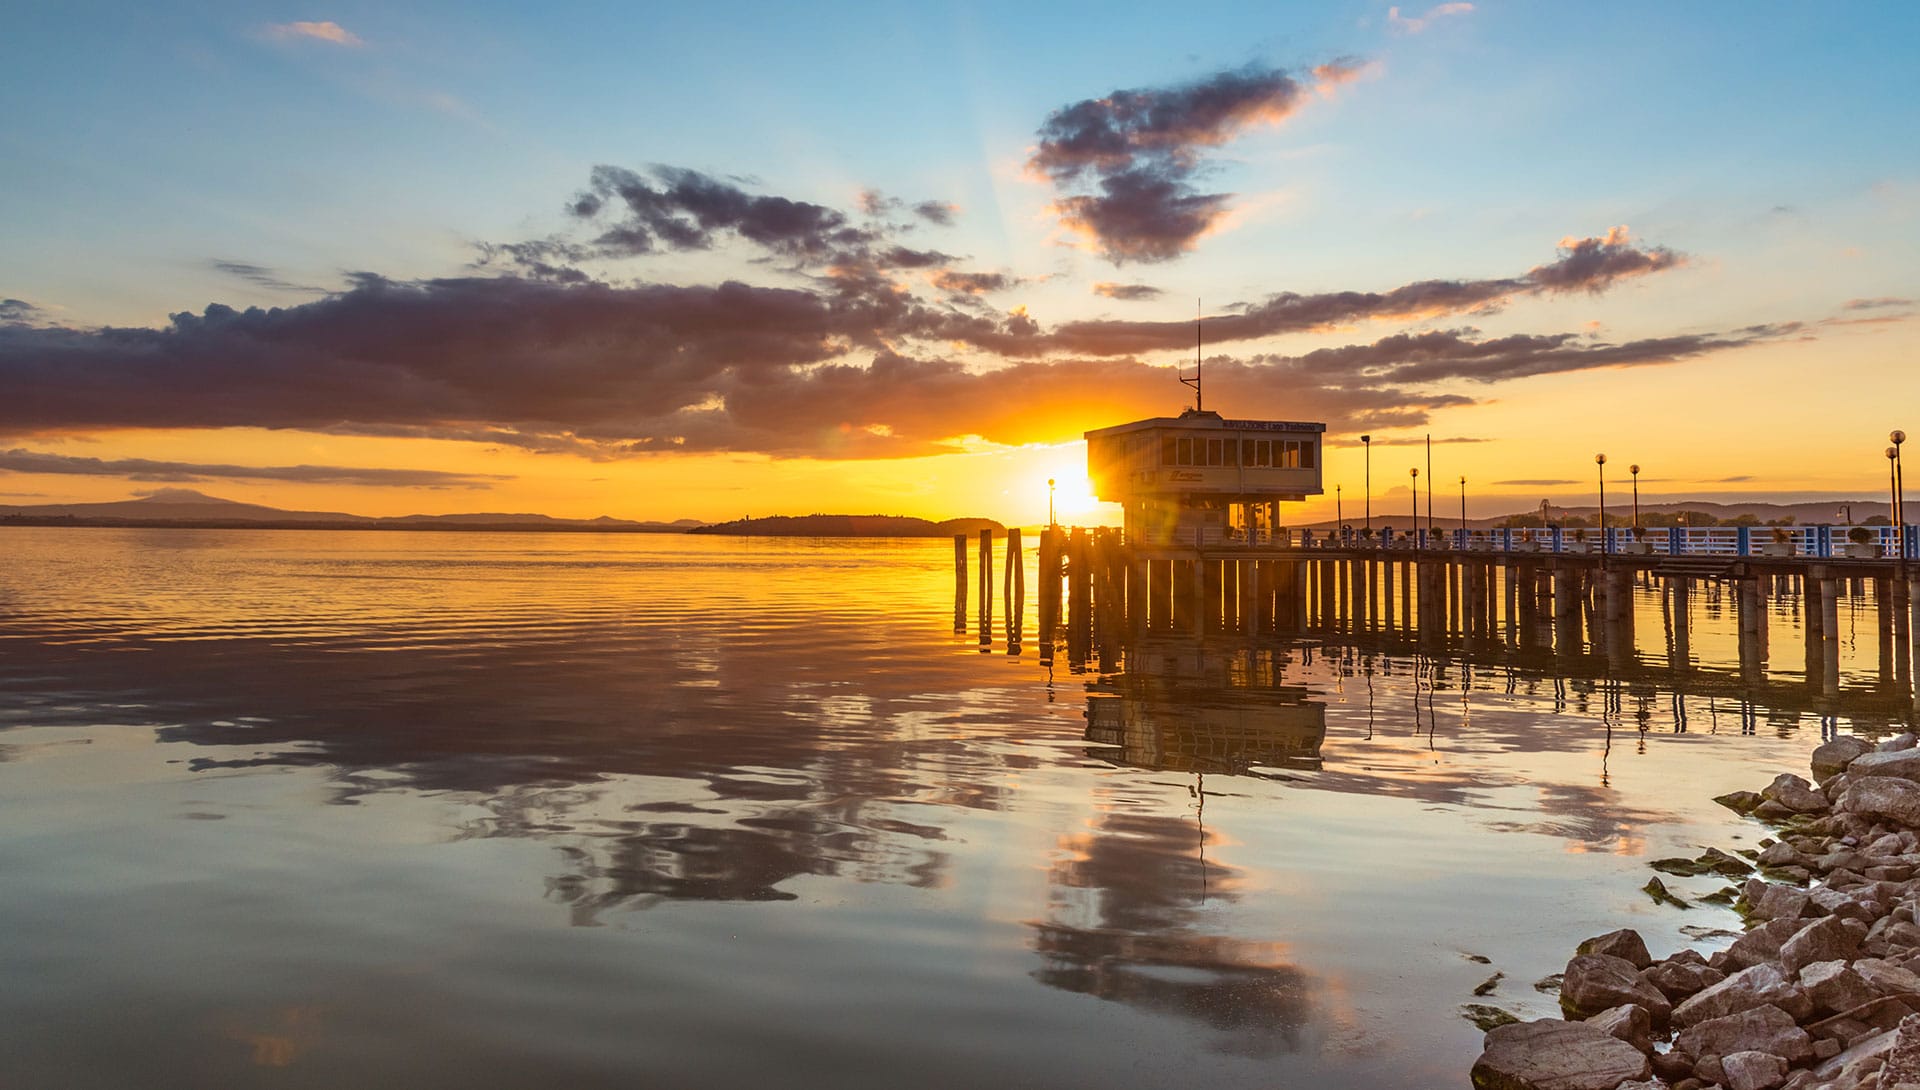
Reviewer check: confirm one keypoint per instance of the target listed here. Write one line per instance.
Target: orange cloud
(327, 31)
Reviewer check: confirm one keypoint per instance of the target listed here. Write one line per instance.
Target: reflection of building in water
(1178, 707)
(1125, 922)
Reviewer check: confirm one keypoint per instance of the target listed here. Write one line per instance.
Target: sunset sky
(710, 261)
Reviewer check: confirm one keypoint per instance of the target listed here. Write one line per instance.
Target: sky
(714, 261)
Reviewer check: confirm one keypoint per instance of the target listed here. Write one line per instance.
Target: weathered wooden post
(986, 589)
(1015, 591)
(959, 582)
(1049, 572)
(1829, 633)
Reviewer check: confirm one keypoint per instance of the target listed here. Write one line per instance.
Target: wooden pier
(1486, 597)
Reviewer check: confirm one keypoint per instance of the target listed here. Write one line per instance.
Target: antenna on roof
(1195, 380)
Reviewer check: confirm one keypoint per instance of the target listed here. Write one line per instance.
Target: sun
(1073, 495)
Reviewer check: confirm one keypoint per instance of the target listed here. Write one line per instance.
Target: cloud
(609, 372)
(1140, 151)
(680, 209)
(1885, 302)
(328, 31)
(966, 283)
(1414, 24)
(261, 276)
(1126, 292)
(1584, 264)
(1410, 441)
(937, 212)
(1544, 482)
(19, 460)
(17, 311)
(1731, 480)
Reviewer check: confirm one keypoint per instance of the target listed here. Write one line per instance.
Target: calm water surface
(307, 809)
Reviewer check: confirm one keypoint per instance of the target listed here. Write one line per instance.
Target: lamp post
(1366, 444)
(1601, 461)
(1415, 474)
(1635, 470)
(1339, 515)
(1463, 503)
(1899, 491)
(1051, 522)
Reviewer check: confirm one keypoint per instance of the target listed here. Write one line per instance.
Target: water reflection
(1128, 921)
(788, 813)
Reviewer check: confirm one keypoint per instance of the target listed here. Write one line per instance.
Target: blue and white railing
(1817, 542)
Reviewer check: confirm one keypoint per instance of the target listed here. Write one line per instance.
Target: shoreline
(1821, 992)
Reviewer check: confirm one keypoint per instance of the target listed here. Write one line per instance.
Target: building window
(1213, 452)
(1186, 451)
(1263, 452)
(1306, 454)
(1167, 454)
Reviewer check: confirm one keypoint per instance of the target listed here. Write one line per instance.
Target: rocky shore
(1822, 992)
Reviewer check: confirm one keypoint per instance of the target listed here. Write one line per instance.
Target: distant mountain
(848, 526)
(186, 507)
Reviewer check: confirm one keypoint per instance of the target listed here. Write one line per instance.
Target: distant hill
(184, 507)
(1663, 513)
(848, 526)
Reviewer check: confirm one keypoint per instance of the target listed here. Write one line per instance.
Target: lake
(321, 809)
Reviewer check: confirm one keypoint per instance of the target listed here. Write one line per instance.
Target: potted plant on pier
(1861, 546)
(1527, 543)
(1782, 544)
(1580, 542)
(1639, 544)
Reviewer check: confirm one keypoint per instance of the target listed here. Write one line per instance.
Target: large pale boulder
(1761, 985)
(1795, 794)
(1555, 1055)
(1629, 1022)
(1829, 938)
(1678, 979)
(1884, 797)
(1762, 1029)
(1903, 1059)
(1758, 945)
(1831, 758)
(1904, 764)
(1596, 982)
(1625, 943)
(1833, 987)
(1753, 1070)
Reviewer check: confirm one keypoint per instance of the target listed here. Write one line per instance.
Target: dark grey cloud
(679, 209)
(1126, 292)
(972, 283)
(1885, 302)
(1139, 152)
(940, 213)
(1732, 480)
(17, 310)
(19, 460)
(608, 371)
(261, 276)
(1583, 264)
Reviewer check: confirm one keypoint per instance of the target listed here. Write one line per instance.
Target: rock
(1833, 902)
(1548, 984)
(1657, 890)
(1897, 743)
(1672, 1066)
(1709, 1069)
(1644, 1084)
(1761, 985)
(1625, 943)
(1719, 862)
(1858, 1056)
(1763, 1029)
(1901, 935)
(1829, 938)
(1883, 797)
(1779, 854)
(1781, 903)
(1886, 978)
(1486, 1017)
(1555, 1055)
(1774, 811)
(1487, 986)
(1831, 758)
(1796, 794)
(1678, 979)
(1758, 945)
(1740, 802)
(1629, 1022)
(1595, 982)
(1833, 987)
(1903, 1059)
(1753, 1070)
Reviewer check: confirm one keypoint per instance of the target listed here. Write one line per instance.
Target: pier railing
(1817, 542)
